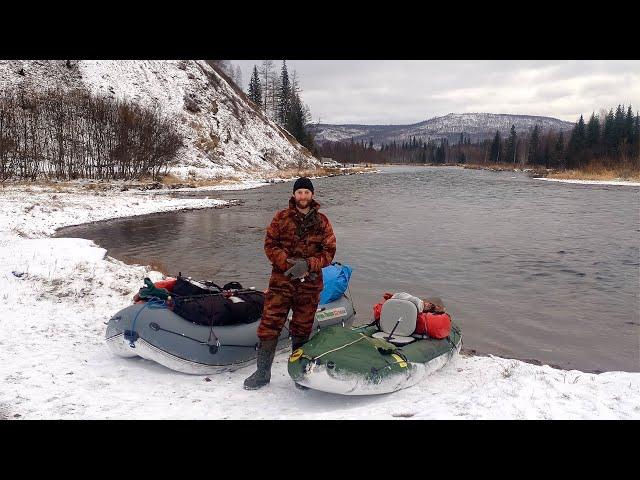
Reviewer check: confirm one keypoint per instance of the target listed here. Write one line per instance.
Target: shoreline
(58, 292)
(532, 172)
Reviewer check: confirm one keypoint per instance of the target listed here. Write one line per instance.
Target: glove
(299, 269)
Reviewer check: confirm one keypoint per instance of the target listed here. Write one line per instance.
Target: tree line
(609, 139)
(75, 134)
(279, 96)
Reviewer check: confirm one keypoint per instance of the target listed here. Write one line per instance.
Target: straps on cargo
(451, 342)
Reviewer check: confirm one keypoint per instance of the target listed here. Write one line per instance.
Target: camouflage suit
(290, 235)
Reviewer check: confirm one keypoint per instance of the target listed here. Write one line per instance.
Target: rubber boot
(262, 376)
(296, 343)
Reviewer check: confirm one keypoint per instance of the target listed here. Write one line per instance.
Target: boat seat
(393, 310)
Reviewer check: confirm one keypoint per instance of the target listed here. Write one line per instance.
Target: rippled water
(530, 269)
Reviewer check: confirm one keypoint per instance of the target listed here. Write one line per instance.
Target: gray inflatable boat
(152, 331)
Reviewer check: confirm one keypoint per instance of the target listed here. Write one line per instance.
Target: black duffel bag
(217, 309)
(185, 287)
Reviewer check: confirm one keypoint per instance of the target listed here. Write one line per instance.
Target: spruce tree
(284, 95)
(628, 131)
(593, 132)
(511, 145)
(534, 145)
(609, 137)
(619, 130)
(636, 139)
(255, 89)
(496, 147)
(559, 153)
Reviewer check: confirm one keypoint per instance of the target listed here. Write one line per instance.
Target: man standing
(299, 243)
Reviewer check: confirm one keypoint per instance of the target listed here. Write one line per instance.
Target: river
(529, 269)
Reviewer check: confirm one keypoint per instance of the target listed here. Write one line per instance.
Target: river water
(529, 269)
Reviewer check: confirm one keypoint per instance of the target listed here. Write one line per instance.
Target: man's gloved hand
(299, 269)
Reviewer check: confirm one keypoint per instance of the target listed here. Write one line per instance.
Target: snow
(593, 182)
(226, 137)
(57, 294)
(477, 126)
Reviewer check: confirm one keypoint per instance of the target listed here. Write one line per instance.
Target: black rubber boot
(296, 343)
(262, 376)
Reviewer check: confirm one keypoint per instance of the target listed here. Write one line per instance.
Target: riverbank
(172, 183)
(585, 177)
(57, 293)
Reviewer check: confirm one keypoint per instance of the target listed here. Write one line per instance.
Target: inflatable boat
(381, 357)
(153, 331)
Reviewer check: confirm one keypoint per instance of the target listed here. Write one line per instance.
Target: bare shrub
(74, 134)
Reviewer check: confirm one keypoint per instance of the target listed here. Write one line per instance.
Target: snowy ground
(57, 294)
(593, 182)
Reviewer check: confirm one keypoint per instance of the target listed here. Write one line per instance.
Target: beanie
(303, 182)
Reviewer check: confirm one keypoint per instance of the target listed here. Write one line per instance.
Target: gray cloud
(400, 92)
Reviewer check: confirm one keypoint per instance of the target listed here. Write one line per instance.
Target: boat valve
(213, 349)
(132, 336)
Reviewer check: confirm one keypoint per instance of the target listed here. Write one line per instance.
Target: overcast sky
(410, 91)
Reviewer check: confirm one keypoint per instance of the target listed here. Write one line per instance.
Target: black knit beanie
(303, 182)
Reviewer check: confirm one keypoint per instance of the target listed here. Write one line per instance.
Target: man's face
(303, 198)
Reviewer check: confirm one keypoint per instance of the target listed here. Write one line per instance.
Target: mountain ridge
(476, 126)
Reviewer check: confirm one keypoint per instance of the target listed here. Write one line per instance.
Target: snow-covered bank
(593, 182)
(57, 293)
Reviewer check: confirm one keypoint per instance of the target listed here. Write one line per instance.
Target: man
(299, 243)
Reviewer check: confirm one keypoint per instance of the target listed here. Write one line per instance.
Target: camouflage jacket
(292, 234)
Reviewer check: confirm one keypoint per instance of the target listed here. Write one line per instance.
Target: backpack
(335, 279)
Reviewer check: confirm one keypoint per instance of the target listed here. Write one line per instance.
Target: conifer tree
(284, 95)
(593, 132)
(496, 146)
(628, 125)
(559, 154)
(255, 89)
(511, 145)
(609, 137)
(534, 145)
(636, 141)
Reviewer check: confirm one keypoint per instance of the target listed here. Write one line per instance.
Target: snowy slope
(477, 126)
(225, 135)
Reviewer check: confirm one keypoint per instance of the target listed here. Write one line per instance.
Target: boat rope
(157, 303)
(153, 303)
(156, 327)
(339, 348)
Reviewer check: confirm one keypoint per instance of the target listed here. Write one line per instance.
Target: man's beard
(301, 206)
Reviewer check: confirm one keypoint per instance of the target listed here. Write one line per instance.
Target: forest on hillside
(608, 139)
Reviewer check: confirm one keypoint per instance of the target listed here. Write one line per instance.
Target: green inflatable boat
(370, 360)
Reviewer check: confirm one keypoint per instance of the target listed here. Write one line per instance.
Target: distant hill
(225, 135)
(476, 126)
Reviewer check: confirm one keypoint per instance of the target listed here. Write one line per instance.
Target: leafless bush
(74, 134)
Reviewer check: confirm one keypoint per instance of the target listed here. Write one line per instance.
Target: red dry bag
(435, 325)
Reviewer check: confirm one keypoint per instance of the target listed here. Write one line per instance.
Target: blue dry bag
(336, 280)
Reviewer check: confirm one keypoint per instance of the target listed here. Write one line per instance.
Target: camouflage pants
(284, 294)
